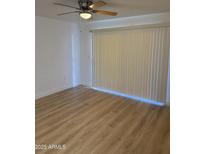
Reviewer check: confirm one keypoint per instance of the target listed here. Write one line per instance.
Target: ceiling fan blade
(60, 14)
(105, 12)
(97, 4)
(60, 4)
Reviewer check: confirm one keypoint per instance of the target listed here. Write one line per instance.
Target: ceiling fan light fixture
(85, 15)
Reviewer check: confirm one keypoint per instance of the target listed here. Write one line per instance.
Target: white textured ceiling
(125, 8)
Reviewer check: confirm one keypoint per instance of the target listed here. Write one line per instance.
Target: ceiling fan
(87, 8)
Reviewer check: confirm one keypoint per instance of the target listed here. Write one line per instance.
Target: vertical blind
(132, 61)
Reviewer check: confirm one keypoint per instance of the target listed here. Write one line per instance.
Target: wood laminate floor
(84, 121)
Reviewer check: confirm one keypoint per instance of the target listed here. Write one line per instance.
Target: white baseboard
(168, 103)
(49, 92)
(129, 96)
(43, 94)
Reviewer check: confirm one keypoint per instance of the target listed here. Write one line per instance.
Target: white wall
(76, 55)
(168, 86)
(86, 44)
(57, 56)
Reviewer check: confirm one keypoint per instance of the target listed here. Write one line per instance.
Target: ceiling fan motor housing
(84, 4)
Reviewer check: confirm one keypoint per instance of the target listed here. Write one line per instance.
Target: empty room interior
(102, 82)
